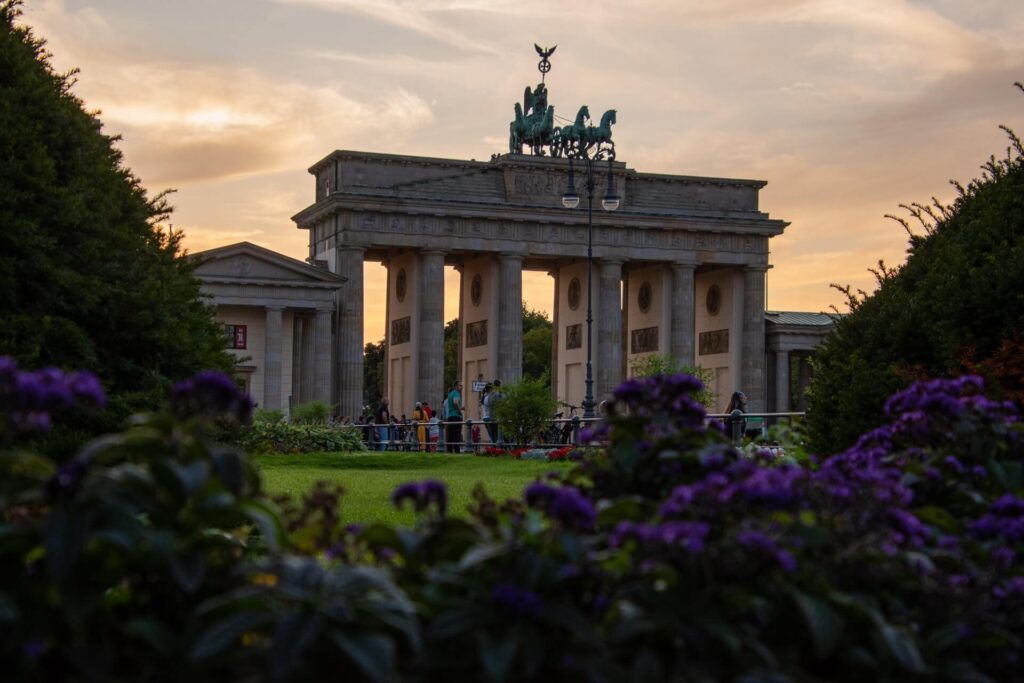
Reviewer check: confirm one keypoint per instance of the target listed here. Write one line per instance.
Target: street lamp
(610, 202)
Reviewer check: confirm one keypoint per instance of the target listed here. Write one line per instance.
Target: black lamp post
(610, 202)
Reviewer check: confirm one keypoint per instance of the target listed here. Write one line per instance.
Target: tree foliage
(536, 345)
(87, 280)
(656, 364)
(955, 304)
(373, 374)
(524, 410)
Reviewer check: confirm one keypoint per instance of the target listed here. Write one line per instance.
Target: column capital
(610, 261)
(684, 265)
(275, 307)
(511, 256)
(756, 267)
(434, 252)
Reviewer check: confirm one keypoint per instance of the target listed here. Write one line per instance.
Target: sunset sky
(846, 107)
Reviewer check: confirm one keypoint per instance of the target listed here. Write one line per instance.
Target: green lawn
(369, 478)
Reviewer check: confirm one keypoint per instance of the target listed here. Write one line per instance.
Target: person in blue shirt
(453, 416)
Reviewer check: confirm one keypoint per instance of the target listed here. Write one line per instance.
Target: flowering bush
(563, 453)
(667, 555)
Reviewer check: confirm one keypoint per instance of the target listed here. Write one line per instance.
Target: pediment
(247, 261)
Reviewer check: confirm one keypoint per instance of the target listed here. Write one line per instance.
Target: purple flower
(909, 529)
(1003, 557)
(1013, 587)
(689, 536)
(210, 394)
(68, 479)
(1005, 520)
(566, 504)
(761, 543)
(515, 601)
(33, 649)
(954, 464)
(29, 398)
(423, 494)
(958, 580)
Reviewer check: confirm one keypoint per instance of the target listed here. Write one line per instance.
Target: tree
(524, 410)
(536, 348)
(451, 353)
(373, 374)
(536, 345)
(956, 304)
(87, 279)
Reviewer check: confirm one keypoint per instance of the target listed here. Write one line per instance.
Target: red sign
(236, 336)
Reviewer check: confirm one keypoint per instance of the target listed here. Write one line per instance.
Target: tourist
(433, 431)
(492, 393)
(453, 416)
(738, 402)
(382, 419)
(420, 417)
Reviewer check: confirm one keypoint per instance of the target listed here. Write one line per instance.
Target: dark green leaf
(824, 623)
(229, 467)
(64, 536)
(188, 570)
(373, 653)
(647, 668)
(294, 632)
(153, 633)
(631, 508)
(267, 521)
(900, 647)
(497, 654)
(226, 633)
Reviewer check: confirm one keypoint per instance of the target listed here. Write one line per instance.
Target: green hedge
(282, 437)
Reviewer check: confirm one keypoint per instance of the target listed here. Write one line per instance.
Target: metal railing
(474, 435)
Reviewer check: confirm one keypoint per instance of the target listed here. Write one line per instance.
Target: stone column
(307, 366)
(430, 298)
(626, 294)
(682, 334)
(554, 335)
(782, 381)
(510, 317)
(348, 341)
(752, 351)
(608, 351)
(319, 388)
(296, 386)
(460, 328)
(803, 379)
(272, 359)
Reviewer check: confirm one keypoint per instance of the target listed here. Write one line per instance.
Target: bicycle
(560, 432)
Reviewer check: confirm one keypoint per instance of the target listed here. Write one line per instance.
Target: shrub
(524, 411)
(668, 555)
(282, 437)
(87, 277)
(267, 415)
(312, 413)
(954, 305)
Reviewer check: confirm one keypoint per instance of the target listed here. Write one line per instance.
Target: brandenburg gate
(679, 269)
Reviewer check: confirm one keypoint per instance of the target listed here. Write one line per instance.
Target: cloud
(411, 16)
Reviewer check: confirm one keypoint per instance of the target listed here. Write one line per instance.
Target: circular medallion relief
(713, 300)
(400, 283)
(476, 290)
(643, 298)
(574, 293)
